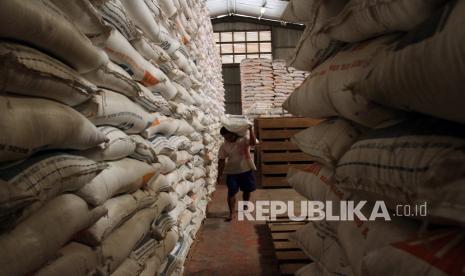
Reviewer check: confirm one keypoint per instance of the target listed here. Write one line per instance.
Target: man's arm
(221, 163)
(252, 139)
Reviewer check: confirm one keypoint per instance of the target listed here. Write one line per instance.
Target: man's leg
(232, 206)
(246, 197)
(247, 186)
(233, 188)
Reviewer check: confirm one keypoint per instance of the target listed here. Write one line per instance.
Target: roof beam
(237, 18)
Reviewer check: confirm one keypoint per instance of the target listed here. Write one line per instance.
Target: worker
(236, 163)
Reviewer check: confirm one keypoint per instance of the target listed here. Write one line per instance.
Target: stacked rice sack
(282, 79)
(109, 137)
(286, 79)
(266, 85)
(387, 77)
(256, 86)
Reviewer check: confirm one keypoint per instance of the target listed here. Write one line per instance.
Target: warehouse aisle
(238, 248)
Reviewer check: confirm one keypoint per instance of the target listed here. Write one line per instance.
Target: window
(226, 37)
(227, 58)
(226, 48)
(239, 36)
(239, 48)
(265, 47)
(265, 36)
(239, 58)
(252, 36)
(238, 45)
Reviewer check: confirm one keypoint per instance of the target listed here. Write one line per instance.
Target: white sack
(86, 18)
(121, 242)
(161, 145)
(144, 150)
(122, 176)
(436, 253)
(121, 52)
(315, 46)
(416, 161)
(238, 125)
(184, 128)
(44, 233)
(423, 71)
(30, 124)
(164, 182)
(153, 102)
(327, 141)
(162, 249)
(28, 185)
(30, 72)
(181, 157)
(138, 11)
(73, 259)
(113, 77)
(119, 145)
(326, 92)
(318, 240)
(42, 24)
(167, 165)
(120, 209)
(110, 108)
(363, 19)
(162, 125)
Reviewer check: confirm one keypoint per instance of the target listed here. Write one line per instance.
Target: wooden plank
(276, 186)
(302, 223)
(291, 269)
(285, 228)
(280, 219)
(285, 245)
(284, 157)
(280, 169)
(291, 256)
(277, 145)
(287, 122)
(267, 181)
(280, 236)
(277, 133)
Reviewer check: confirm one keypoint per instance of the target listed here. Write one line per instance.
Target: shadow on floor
(266, 249)
(231, 248)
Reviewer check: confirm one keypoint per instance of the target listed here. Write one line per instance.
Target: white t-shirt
(237, 155)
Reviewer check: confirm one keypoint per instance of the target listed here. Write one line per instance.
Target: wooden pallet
(275, 152)
(290, 257)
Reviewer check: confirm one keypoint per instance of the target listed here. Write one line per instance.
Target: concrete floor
(236, 247)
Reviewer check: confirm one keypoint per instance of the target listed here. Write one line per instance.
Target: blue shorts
(244, 181)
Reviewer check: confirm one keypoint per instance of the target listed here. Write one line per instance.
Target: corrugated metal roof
(267, 9)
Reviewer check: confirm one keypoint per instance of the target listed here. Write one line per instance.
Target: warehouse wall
(284, 39)
(238, 26)
(232, 85)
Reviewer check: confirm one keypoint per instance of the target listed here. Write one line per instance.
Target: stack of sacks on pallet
(286, 79)
(266, 85)
(103, 138)
(256, 86)
(282, 79)
(297, 76)
(389, 135)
